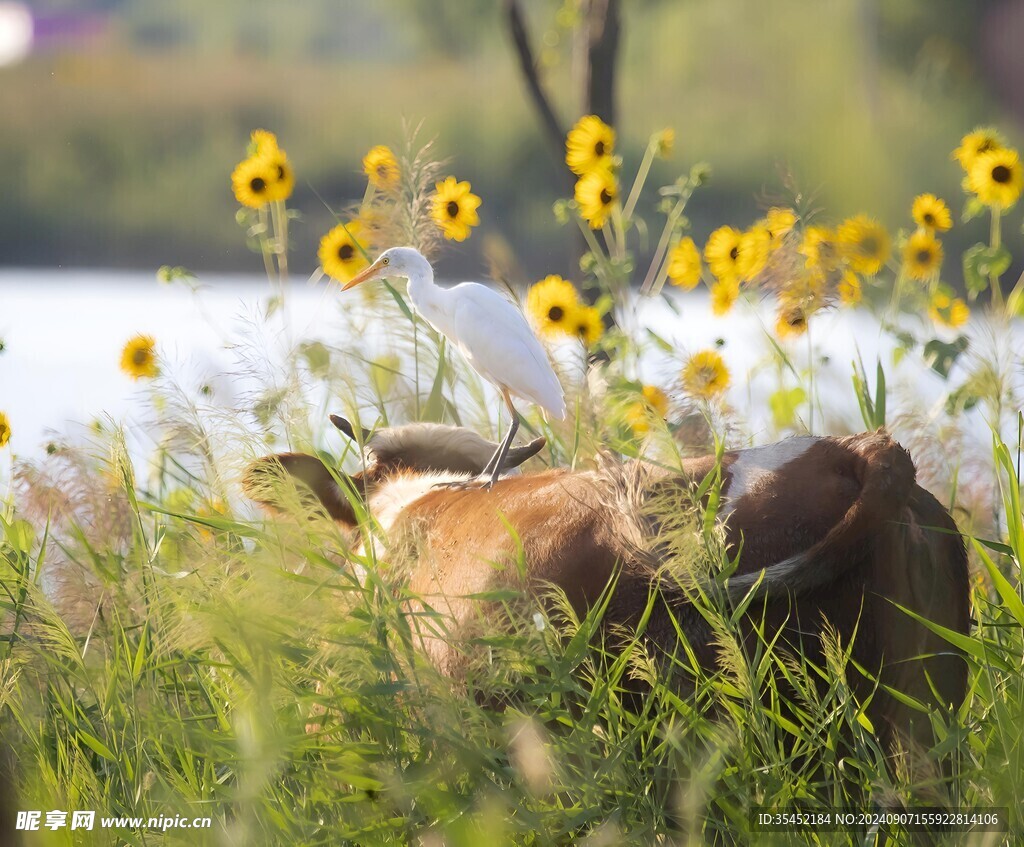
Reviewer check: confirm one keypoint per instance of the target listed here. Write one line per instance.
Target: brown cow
(831, 530)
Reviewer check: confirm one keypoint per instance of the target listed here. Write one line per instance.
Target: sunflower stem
(995, 240)
(268, 263)
(595, 248)
(279, 218)
(655, 277)
(810, 385)
(638, 182)
(897, 294)
(618, 220)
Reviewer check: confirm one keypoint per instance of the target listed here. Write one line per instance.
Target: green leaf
(658, 340)
(872, 409)
(20, 535)
(400, 301)
(140, 654)
(962, 399)
(984, 651)
(784, 404)
(1011, 599)
(97, 746)
(879, 395)
(972, 208)
(434, 410)
(982, 262)
(317, 356)
(940, 356)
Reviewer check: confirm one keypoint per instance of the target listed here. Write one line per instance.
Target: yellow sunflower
(949, 311)
(454, 209)
(5, 430)
(342, 255)
(664, 141)
(550, 304)
(819, 247)
(381, 168)
(931, 213)
(754, 249)
(790, 321)
(281, 187)
(263, 142)
(806, 289)
(864, 244)
(972, 145)
(653, 403)
(849, 288)
(722, 252)
(997, 178)
(596, 193)
(705, 374)
(138, 358)
(780, 222)
(252, 181)
(586, 325)
(922, 255)
(684, 264)
(724, 294)
(589, 145)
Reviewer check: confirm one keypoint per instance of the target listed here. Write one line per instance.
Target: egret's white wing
(498, 342)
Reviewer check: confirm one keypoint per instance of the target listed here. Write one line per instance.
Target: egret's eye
(385, 260)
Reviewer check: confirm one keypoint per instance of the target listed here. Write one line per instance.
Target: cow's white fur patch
(396, 494)
(399, 492)
(754, 468)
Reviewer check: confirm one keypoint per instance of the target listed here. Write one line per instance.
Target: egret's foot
(484, 482)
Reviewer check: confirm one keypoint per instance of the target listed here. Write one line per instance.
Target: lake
(63, 331)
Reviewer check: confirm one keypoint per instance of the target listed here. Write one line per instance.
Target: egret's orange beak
(370, 273)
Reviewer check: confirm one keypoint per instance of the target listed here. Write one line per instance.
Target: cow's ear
(346, 427)
(297, 479)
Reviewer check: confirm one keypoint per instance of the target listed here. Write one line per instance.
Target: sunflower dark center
(599, 148)
(140, 357)
(734, 253)
(929, 218)
(280, 171)
(452, 209)
(606, 197)
(556, 313)
(924, 256)
(1001, 174)
(869, 245)
(345, 252)
(257, 185)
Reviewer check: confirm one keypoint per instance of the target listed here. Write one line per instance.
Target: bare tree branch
(528, 68)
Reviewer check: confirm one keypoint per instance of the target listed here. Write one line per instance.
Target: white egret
(490, 331)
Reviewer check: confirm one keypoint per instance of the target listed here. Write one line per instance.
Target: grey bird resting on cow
(834, 533)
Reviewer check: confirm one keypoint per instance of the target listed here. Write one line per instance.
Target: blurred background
(120, 120)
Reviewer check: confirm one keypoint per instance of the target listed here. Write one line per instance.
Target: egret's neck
(424, 294)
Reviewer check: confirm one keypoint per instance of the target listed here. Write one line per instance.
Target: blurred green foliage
(118, 147)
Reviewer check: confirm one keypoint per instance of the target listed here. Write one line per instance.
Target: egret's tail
(559, 411)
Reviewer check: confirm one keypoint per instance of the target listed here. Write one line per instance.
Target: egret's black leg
(497, 461)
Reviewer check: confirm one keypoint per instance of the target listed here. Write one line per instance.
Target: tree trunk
(598, 51)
